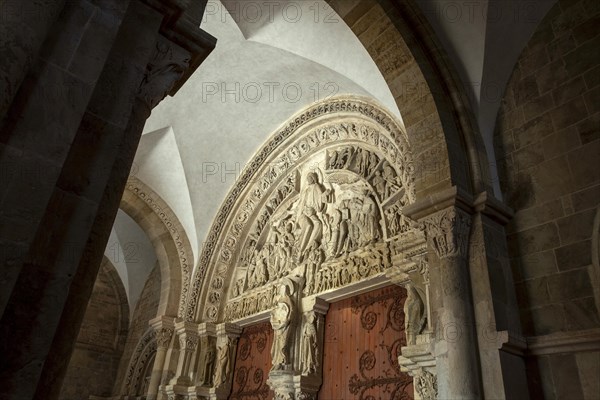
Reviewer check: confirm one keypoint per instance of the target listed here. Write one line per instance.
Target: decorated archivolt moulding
(139, 189)
(312, 150)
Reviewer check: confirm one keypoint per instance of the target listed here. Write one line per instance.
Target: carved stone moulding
(344, 159)
(140, 190)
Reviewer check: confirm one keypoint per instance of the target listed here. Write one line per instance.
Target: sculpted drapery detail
(282, 213)
(283, 323)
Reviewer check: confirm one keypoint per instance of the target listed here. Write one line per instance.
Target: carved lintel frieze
(447, 232)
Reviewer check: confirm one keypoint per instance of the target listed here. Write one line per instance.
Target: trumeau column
(311, 338)
(164, 327)
(227, 339)
(447, 232)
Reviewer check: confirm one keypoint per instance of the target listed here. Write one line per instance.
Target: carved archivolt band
(138, 364)
(341, 129)
(173, 227)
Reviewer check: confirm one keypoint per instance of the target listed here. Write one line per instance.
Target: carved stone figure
(282, 321)
(208, 361)
(223, 363)
(414, 312)
(379, 185)
(391, 179)
(310, 207)
(309, 347)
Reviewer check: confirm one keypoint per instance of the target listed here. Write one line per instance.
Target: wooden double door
(363, 338)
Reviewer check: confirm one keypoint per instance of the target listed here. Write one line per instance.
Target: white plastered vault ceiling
(274, 58)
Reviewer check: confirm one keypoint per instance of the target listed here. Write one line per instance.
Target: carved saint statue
(414, 315)
(209, 364)
(223, 363)
(309, 345)
(282, 321)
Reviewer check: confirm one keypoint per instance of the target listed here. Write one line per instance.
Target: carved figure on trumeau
(282, 321)
(414, 314)
(309, 347)
(223, 367)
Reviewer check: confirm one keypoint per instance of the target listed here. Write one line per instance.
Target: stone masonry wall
(548, 152)
(94, 362)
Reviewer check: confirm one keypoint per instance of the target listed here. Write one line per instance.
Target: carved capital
(163, 337)
(426, 385)
(306, 396)
(188, 342)
(447, 232)
(166, 68)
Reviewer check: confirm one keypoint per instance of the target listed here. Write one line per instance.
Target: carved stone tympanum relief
(316, 214)
(322, 199)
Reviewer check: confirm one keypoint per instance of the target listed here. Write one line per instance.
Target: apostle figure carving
(414, 312)
(208, 362)
(309, 347)
(282, 321)
(223, 363)
(392, 181)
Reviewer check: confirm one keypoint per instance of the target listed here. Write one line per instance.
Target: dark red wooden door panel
(363, 337)
(253, 363)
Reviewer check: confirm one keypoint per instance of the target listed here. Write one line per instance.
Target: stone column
(309, 379)
(447, 233)
(24, 25)
(187, 333)
(164, 327)
(501, 346)
(227, 339)
(80, 148)
(205, 360)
